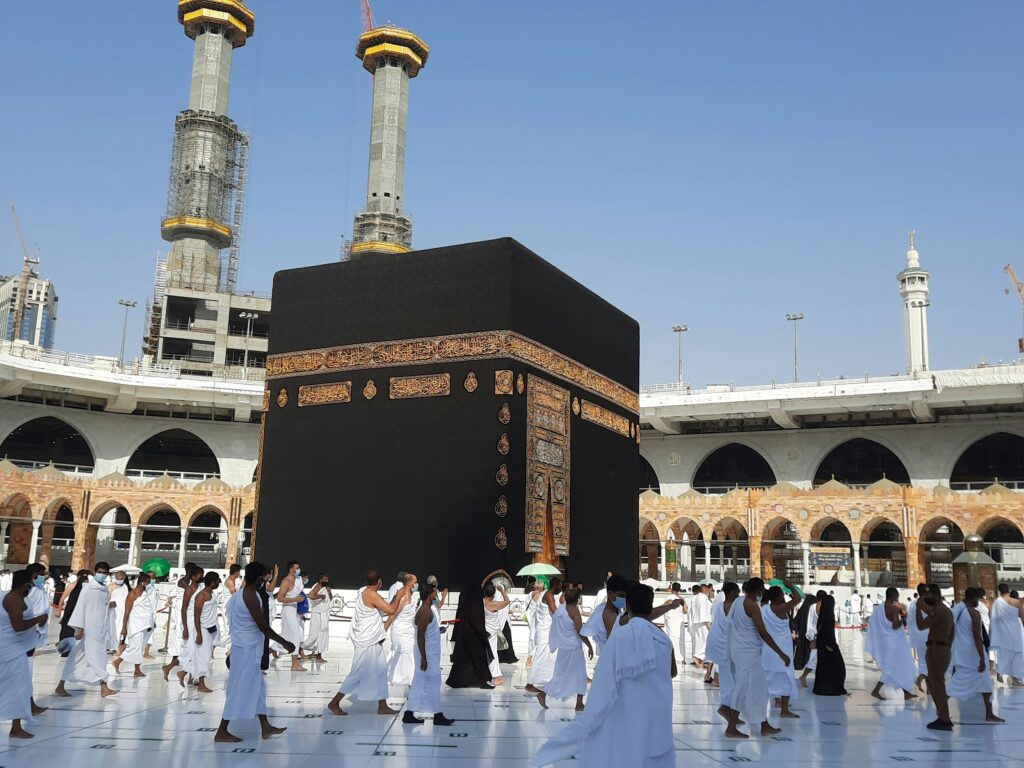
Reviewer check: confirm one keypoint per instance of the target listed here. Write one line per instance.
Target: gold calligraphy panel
(469, 346)
(431, 385)
(598, 415)
(325, 394)
(547, 465)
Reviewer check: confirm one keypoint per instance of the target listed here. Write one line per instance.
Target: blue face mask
(298, 572)
(619, 602)
(101, 578)
(39, 581)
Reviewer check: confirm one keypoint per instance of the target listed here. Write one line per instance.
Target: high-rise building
(39, 317)
(392, 56)
(914, 292)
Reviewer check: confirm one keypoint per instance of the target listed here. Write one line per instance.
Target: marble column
(805, 553)
(133, 544)
(33, 544)
(183, 543)
(856, 565)
(707, 560)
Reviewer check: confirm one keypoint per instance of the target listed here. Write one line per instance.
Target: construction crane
(28, 260)
(1008, 269)
(364, 7)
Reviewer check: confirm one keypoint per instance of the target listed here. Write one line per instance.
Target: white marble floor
(151, 724)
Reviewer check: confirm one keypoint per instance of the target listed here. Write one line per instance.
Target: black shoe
(410, 719)
(440, 719)
(939, 725)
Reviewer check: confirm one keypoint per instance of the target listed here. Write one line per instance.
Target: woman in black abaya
(471, 653)
(803, 646)
(830, 674)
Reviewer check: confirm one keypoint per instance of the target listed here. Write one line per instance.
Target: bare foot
(62, 692)
(20, 733)
(723, 711)
(116, 664)
(166, 668)
(579, 707)
(203, 688)
(37, 710)
(878, 696)
(335, 709)
(149, 656)
(907, 695)
(226, 737)
(529, 662)
(139, 673)
(803, 682)
(498, 681)
(106, 690)
(767, 730)
(531, 688)
(543, 699)
(384, 709)
(181, 679)
(272, 731)
(732, 733)
(993, 719)
(789, 714)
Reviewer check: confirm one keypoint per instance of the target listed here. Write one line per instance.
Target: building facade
(893, 472)
(100, 463)
(39, 319)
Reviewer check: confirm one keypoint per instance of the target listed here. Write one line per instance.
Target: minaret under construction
(206, 155)
(392, 56)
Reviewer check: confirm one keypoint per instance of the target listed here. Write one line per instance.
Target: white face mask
(119, 582)
(150, 587)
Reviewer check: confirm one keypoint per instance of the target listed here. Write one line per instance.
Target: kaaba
(452, 411)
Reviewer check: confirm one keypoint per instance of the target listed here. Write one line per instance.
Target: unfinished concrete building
(197, 322)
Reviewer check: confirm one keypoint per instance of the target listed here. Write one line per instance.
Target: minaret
(914, 292)
(205, 154)
(393, 56)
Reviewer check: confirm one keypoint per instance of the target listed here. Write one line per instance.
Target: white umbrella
(132, 570)
(652, 583)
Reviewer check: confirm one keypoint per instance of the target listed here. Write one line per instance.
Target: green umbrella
(778, 583)
(538, 569)
(158, 566)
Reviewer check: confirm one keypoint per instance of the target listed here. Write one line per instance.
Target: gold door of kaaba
(547, 468)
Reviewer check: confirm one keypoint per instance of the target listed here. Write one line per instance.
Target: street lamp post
(124, 328)
(250, 318)
(679, 330)
(795, 318)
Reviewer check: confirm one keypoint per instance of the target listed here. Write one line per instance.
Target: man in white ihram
(889, 646)
(970, 662)
(401, 626)
(628, 719)
(368, 678)
(495, 616)
(87, 662)
(700, 624)
(1006, 636)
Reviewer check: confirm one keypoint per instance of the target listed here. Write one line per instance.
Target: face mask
(435, 601)
(119, 582)
(149, 587)
(39, 581)
(101, 578)
(619, 602)
(298, 572)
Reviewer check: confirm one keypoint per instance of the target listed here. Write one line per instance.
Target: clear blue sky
(709, 163)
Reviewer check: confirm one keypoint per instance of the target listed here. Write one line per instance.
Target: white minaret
(914, 292)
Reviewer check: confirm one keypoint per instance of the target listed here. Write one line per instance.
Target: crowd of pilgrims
(750, 642)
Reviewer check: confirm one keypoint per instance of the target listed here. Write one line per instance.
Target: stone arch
(733, 465)
(206, 509)
(175, 451)
(17, 504)
(649, 479)
(781, 528)
(650, 550)
(861, 461)
(939, 543)
(831, 529)
(991, 524)
(996, 457)
(100, 509)
(48, 439)
(688, 550)
(781, 553)
(157, 507)
(730, 552)
(106, 539)
(884, 552)
(49, 512)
